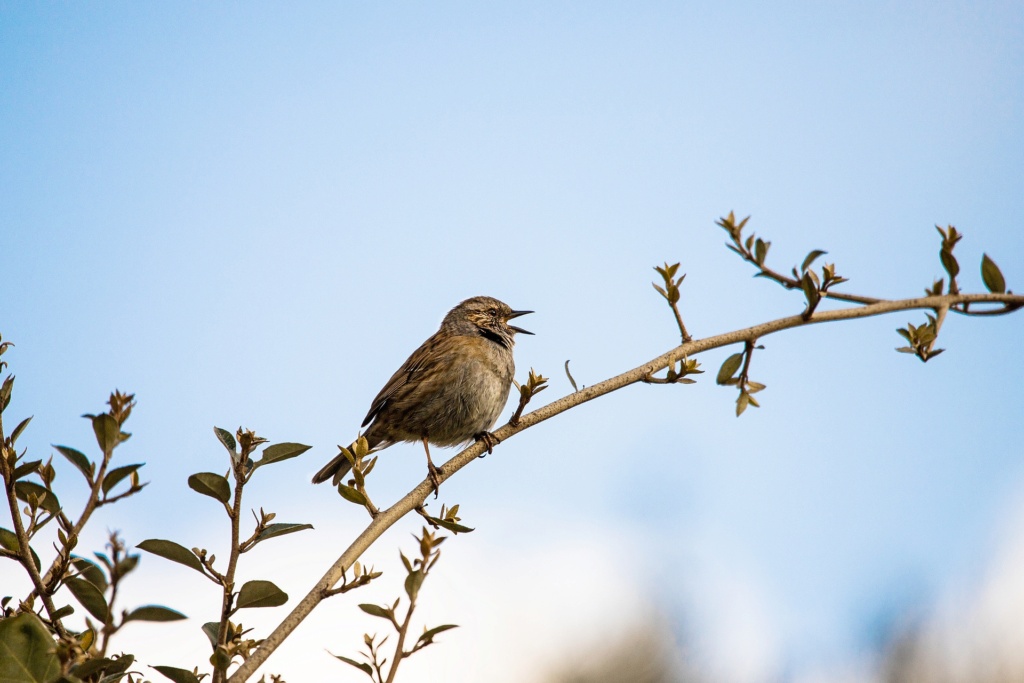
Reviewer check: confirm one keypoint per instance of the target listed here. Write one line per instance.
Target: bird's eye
(493, 312)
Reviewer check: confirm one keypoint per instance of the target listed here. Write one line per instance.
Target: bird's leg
(489, 439)
(432, 469)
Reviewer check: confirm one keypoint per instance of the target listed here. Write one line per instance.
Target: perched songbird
(450, 390)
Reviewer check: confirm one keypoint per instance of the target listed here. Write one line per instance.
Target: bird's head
(485, 316)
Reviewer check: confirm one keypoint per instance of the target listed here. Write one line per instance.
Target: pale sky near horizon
(252, 213)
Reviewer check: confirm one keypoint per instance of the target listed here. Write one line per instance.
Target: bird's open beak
(516, 314)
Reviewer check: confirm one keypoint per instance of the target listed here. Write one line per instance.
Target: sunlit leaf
(729, 367)
(811, 257)
(992, 276)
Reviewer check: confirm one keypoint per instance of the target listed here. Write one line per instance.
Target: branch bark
(388, 517)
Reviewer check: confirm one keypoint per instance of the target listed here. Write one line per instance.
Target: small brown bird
(450, 390)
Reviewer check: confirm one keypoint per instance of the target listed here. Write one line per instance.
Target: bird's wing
(423, 357)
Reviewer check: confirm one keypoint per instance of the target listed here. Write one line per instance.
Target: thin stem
(228, 579)
(418, 495)
(399, 653)
(52, 575)
(679, 321)
(24, 549)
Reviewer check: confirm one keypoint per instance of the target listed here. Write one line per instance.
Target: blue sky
(251, 214)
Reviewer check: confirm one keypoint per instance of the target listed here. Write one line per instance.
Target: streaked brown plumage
(450, 390)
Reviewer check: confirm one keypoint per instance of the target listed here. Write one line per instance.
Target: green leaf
(352, 495)
(90, 571)
(811, 257)
(378, 611)
(108, 432)
(5, 392)
(281, 529)
(154, 613)
(46, 499)
(742, 402)
(177, 675)
(90, 667)
(949, 263)
(89, 596)
(9, 541)
(79, 460)
(115, 476)
(457, 528)
(992, 276)
(65, 611)
(26, 468)
(212, 630)
(412, 584)
(210, 484)
(428, 635)
(27, 651)
(260, 594)
(224, 436)
(281, 451)
(172, 551)
(729, 367)
(362, 666)
(19, 429)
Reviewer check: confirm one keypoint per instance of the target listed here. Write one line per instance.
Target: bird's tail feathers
(338, 467)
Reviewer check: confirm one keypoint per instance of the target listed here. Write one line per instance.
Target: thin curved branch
(415, 498)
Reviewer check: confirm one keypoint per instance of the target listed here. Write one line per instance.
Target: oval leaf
(46, 499)
(351, 494)
(27, 651)
(210, 484)
(412, 584)
(377, 611)
(362, 666)
(729, 367)
(90, 571)
(281, 451)
(20, 428)
(273, 530)
(224, 436)
(108, 432)
(89, 596)
(78, 459)
(428, 635)
(177, 675)
(115, 476)
(172, 551)
(260, 594)
(154, 613)
(811, 257)
(992, 276)
(212, 630)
